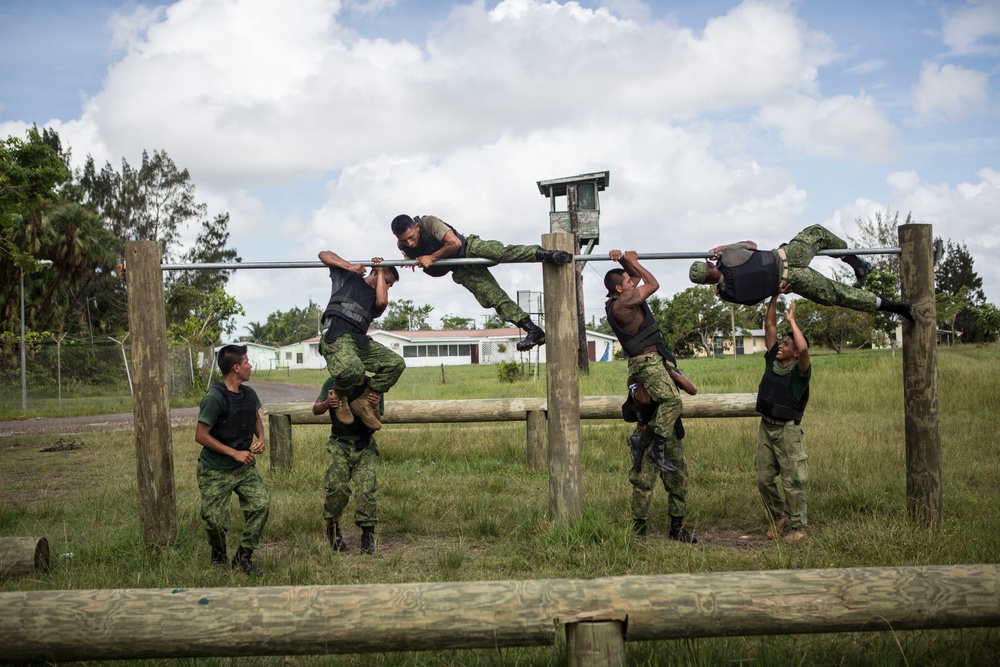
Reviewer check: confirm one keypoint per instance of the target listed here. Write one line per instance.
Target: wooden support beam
(517, 409)
(921, 419)
(595, 644)
(279, 429)
(70, 625)
(537, 429)
(23, 555)
(151, 400)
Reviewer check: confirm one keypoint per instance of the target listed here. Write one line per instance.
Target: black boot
(243, 561)
(367, 539)
(901, 308)
(333, 535)
(535, 335)
(637, 443)
(557, 257)
(657, 453)
(678, 533)
(219, 556)
(639, 525)
(860, 266)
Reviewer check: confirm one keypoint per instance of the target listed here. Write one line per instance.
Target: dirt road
(269, 392)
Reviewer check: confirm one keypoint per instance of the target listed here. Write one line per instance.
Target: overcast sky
(314, 123)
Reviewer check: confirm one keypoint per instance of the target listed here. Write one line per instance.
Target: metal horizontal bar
(231, 266)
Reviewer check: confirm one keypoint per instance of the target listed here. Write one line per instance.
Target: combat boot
(678, 533)
(343, 412)
(657, 454)
(333, 535)
(535, 335)
(637, 443)
(368, 412)
(902, 308)
(639, 525)
(860, 266)
(557, 257)
(219, 556)
(243, 561)
(367, 539)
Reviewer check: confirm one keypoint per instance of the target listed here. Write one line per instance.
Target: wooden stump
(23, 555)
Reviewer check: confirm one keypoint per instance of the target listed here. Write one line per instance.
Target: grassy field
(457, 503)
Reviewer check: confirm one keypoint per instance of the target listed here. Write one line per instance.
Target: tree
(884, 279)
(255, 332)
(954, 272)
(693, 318)
(403, 316)
(291, 326)
(988, 317)
(834, 327)
(210, 322)
(948, 306)
(455, 322)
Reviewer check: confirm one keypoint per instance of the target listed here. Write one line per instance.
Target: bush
(509, 371)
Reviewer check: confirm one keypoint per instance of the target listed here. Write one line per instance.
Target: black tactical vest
(648, 334)
(351, 310)
(751, 282)
(429, 245)
(236, 428)
(774, 397)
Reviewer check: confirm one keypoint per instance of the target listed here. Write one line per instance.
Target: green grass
(457, 503)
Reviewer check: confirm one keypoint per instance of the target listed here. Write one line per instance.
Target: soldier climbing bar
(230, 266)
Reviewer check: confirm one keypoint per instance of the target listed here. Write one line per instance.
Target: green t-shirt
(799, 382)
(214, 407)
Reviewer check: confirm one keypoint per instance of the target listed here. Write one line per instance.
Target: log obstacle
(71, 625)
(23, 555)
(534, 411)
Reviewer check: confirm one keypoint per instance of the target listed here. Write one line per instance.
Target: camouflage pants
(217, 487)
(653, 375)
(812, 284)
(780, 452)
(675, 484)
(346, 463)
(481, 283)
(347, 364)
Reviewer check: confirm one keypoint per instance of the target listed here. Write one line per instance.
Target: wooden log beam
(516, 409)
(66, 625)
(23, 555)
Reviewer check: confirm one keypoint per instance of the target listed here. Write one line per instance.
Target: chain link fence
(59, 374)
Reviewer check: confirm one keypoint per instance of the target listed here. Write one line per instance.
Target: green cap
(698, 272)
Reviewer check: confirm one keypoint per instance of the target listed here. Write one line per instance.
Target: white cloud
(973, 28)
(949, 93)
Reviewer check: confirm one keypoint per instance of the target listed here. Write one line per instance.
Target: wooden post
(536, 429)
(23, 555)
(920, 378)
(151, 397)
(582, 354)
(279, 428)
(562, 388)
(600, 644)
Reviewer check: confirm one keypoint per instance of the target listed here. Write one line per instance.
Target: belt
(784, 263)
(644, 355)
(777, 422)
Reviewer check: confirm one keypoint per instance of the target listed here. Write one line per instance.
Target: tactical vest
(357, 428)
(351, 309)
(774, 397)
(429, 245)
(236, 429)
(648, 334)
(751, 282)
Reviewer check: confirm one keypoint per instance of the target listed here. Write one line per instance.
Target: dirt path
(269, 392)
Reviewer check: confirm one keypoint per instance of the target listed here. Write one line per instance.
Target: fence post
(279, 428)
(151, 393)
(595, 644)
(561, 346)
(536, 427)
(922, 422)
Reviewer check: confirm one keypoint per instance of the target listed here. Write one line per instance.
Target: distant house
(449, 347)
(748, 341)
(262, 357)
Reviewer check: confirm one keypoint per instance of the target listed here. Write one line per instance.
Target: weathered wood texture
(922, 423)
(279, 431)
(23, 555)
(151, 397)
(595, 644)
(294, 620)
(536, 428)
(516, 409)
(562, 384)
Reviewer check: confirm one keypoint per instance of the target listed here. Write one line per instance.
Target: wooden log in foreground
(289, 620)
(23, 555)
(516, 409)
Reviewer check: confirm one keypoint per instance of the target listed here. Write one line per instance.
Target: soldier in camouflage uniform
(781, 402)
(231, 434)
(353, 455)
(745, 275)
(427, 239)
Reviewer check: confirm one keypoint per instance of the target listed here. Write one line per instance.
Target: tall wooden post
(595, 644)
(536, 427)
(920, 378)
(279, 428)
(151, 397)
(583, 356)
(562, 388)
